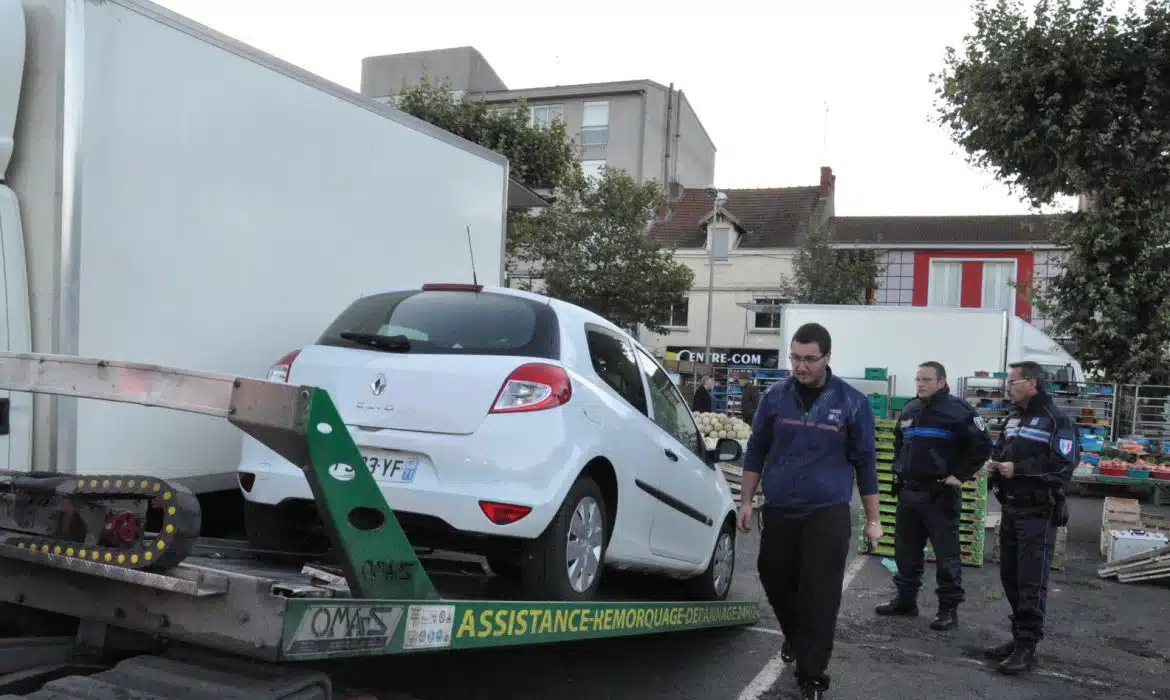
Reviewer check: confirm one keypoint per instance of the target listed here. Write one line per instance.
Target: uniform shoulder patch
(1066, 447)
(978, 421)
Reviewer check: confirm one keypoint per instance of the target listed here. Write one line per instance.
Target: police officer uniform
(934, 438)
(1041, 443)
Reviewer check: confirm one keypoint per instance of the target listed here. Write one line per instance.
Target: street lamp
(717, 197)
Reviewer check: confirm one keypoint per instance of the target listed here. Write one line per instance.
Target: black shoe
(898, 607)
(786, 654)
(1001, 652)
(1023, 658)
(947, 619)
(812, 689)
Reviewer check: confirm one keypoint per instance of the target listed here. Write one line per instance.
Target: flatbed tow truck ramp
(227, 624)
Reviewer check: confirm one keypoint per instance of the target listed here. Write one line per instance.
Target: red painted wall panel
(972, 285)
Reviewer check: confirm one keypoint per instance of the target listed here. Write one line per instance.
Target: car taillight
(279, 371)
(503, 513)
(533, 387)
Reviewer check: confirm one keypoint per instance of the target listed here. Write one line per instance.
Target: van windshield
(448, 323)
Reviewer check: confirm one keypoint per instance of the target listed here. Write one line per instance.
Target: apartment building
(640, 126)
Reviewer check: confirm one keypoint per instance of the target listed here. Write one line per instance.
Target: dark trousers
(1027, 539)
(932, 514)
(802, 568)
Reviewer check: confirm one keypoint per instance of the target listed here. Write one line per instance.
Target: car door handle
(671, 455)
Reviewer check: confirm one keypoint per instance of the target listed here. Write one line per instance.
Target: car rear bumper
(453, 474)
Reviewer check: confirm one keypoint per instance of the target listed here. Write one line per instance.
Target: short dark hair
(1029, 370)
(937, 367)
(814, 333)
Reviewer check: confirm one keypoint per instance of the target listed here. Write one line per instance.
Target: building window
(946, 284)
(595, 124)
(679, 314)
(592, 168)
(545, 115)
(999, 290)
(766, 320)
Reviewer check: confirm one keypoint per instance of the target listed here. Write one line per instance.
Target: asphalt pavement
(1105, 639)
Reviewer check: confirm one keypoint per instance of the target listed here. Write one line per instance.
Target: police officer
(1033, 461)
(939, 442)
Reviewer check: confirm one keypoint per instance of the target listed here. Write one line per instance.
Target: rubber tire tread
(542, 564)
(702, 587)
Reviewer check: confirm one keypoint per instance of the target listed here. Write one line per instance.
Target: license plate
(391, 467)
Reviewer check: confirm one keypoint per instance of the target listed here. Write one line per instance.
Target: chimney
(828, 181)
(828, 192)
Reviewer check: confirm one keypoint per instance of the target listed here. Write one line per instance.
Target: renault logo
(379, 385)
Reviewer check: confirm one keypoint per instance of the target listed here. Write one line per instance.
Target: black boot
(813, 689)
(1023, 658)
(1001, 652)
(786, 654)
(898, 607)
(946, 619)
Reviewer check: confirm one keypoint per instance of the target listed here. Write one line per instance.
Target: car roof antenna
(471, 251)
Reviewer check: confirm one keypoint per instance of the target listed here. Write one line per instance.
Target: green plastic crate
(877, 373)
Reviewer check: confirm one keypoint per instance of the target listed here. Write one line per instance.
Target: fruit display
(716, 425)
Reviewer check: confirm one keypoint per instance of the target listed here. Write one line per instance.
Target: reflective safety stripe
(1034, 434)
(940, 433)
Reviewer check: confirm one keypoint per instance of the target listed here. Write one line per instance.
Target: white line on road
(1051, 674)
(766, 630)
(771, 671)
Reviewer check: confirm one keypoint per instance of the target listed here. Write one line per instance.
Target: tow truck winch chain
(100, 519)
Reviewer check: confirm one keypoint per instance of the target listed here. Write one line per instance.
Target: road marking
(771, 671)
(1050, 674)
(766, 630)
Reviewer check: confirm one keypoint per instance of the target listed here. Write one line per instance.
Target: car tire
(566, 561)
(715, 582)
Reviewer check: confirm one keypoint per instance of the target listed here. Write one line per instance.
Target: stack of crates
(971, 529)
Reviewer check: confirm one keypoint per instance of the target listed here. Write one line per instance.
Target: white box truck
(169, 195)
(898, 338)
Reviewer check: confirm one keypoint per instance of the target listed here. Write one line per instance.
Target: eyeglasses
(807, 359)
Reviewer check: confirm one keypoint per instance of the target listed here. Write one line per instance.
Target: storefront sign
(727, 357)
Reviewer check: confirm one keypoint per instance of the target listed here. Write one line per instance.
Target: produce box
(1118, 514)
(716, 425)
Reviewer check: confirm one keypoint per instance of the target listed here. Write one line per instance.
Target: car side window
(670, 411)
(613, 360)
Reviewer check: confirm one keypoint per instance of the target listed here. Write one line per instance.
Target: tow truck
(121, 555)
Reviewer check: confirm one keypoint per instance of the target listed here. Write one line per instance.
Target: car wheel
(566, 562)
(715, 582)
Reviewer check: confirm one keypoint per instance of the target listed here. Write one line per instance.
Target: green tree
(822, 274)
(539, 156)
(591, 248)
(1068, 99)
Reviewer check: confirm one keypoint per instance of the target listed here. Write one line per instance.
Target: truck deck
(377, 595)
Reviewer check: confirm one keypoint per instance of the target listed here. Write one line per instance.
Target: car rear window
(452, 323)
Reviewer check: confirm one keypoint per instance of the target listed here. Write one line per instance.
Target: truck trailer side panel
(217, 209)
(900, 337)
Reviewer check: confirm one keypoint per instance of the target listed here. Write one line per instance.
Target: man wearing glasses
(1033, 462)
(812, 439)
(939, 442)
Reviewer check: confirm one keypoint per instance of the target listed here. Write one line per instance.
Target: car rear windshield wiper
(389, 343)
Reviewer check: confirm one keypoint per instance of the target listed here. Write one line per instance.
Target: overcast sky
(759, 75)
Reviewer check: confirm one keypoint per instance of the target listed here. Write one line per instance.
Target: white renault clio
(514, 426)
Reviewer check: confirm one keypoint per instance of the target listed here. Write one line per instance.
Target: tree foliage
(540, 157)
(1070, 98)
(822, 274)
(591, 248)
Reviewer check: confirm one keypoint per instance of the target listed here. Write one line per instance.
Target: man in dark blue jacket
(939, 442)
(1033, 462)
(812, 440)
